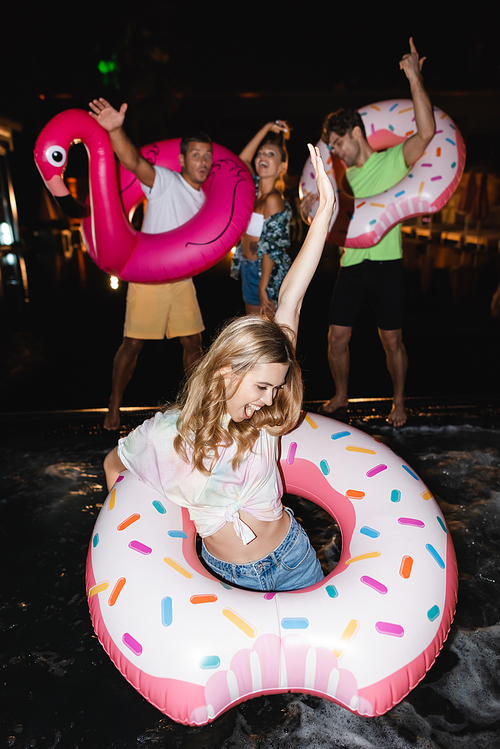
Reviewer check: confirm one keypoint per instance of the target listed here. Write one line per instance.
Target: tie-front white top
(213, 500)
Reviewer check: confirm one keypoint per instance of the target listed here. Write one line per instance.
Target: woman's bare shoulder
(274, 203)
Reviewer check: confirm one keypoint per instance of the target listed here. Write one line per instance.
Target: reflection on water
(62, 690)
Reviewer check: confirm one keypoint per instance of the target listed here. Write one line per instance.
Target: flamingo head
(53, 144)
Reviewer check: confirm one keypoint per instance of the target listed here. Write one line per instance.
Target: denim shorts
(250, 278)
(292, 565)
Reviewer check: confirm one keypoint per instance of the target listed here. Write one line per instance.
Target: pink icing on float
(114, 245)
(363, 637)
(430, 183)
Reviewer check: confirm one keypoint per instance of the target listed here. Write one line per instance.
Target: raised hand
(129, 156)
(411, 63)
(415, 145)
(326, 194)
(107, 116)
(278, 126)
(304, 266)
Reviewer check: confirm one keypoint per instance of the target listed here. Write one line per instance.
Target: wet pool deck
(37, 429)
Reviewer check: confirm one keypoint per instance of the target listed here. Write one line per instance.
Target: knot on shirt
(232, 511)
(243, 531)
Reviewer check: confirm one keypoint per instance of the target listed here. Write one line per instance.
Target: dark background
(229, 69)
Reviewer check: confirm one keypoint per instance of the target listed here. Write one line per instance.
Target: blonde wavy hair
(243, 343)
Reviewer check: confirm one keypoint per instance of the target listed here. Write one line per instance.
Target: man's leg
(397, 364)
(338, 359)
(347, 300)
(123, 368)
(191, 350)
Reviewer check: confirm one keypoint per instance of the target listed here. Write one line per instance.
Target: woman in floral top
(261, 256)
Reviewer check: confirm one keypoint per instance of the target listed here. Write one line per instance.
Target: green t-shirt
(383, 170)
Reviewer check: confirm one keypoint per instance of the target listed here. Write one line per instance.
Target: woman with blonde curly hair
(215, 451)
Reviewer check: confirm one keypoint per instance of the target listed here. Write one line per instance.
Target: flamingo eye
(55, 155)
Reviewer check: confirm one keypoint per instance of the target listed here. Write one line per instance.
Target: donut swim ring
(362, 638)
(114, 245)
(362, 222)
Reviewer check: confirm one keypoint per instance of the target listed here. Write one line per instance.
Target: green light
(107, 68)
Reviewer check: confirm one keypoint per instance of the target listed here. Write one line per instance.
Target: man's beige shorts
(158, 310)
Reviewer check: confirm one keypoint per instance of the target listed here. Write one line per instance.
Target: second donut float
(362, 222)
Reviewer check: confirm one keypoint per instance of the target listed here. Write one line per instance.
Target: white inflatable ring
(426, 188)
(363, 637)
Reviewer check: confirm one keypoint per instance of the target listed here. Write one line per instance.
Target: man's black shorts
(381, 283)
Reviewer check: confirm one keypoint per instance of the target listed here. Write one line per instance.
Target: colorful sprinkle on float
(363, 637)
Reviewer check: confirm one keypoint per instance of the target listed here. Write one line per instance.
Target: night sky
(175, 45)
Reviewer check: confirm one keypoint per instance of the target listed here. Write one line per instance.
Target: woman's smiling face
(258, 388)
(268, 161)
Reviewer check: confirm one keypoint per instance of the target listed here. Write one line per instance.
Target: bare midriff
(225, 545)
(249, 246)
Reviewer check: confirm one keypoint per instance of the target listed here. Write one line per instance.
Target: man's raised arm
(129, 156)
(415, 146)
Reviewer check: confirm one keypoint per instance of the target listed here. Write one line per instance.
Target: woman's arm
(274, 204)
(268, 307)
(299, 276)
(112, 467)
(248, 152)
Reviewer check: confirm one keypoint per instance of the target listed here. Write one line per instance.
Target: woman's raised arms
(299, 276)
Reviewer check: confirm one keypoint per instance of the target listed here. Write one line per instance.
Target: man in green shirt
(375, 273)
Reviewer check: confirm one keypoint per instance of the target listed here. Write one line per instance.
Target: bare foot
(334, 404)
(397, 416)
(112, 420)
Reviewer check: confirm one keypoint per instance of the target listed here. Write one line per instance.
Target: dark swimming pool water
(61, 690)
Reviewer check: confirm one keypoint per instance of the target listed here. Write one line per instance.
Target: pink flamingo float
(111, 241)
